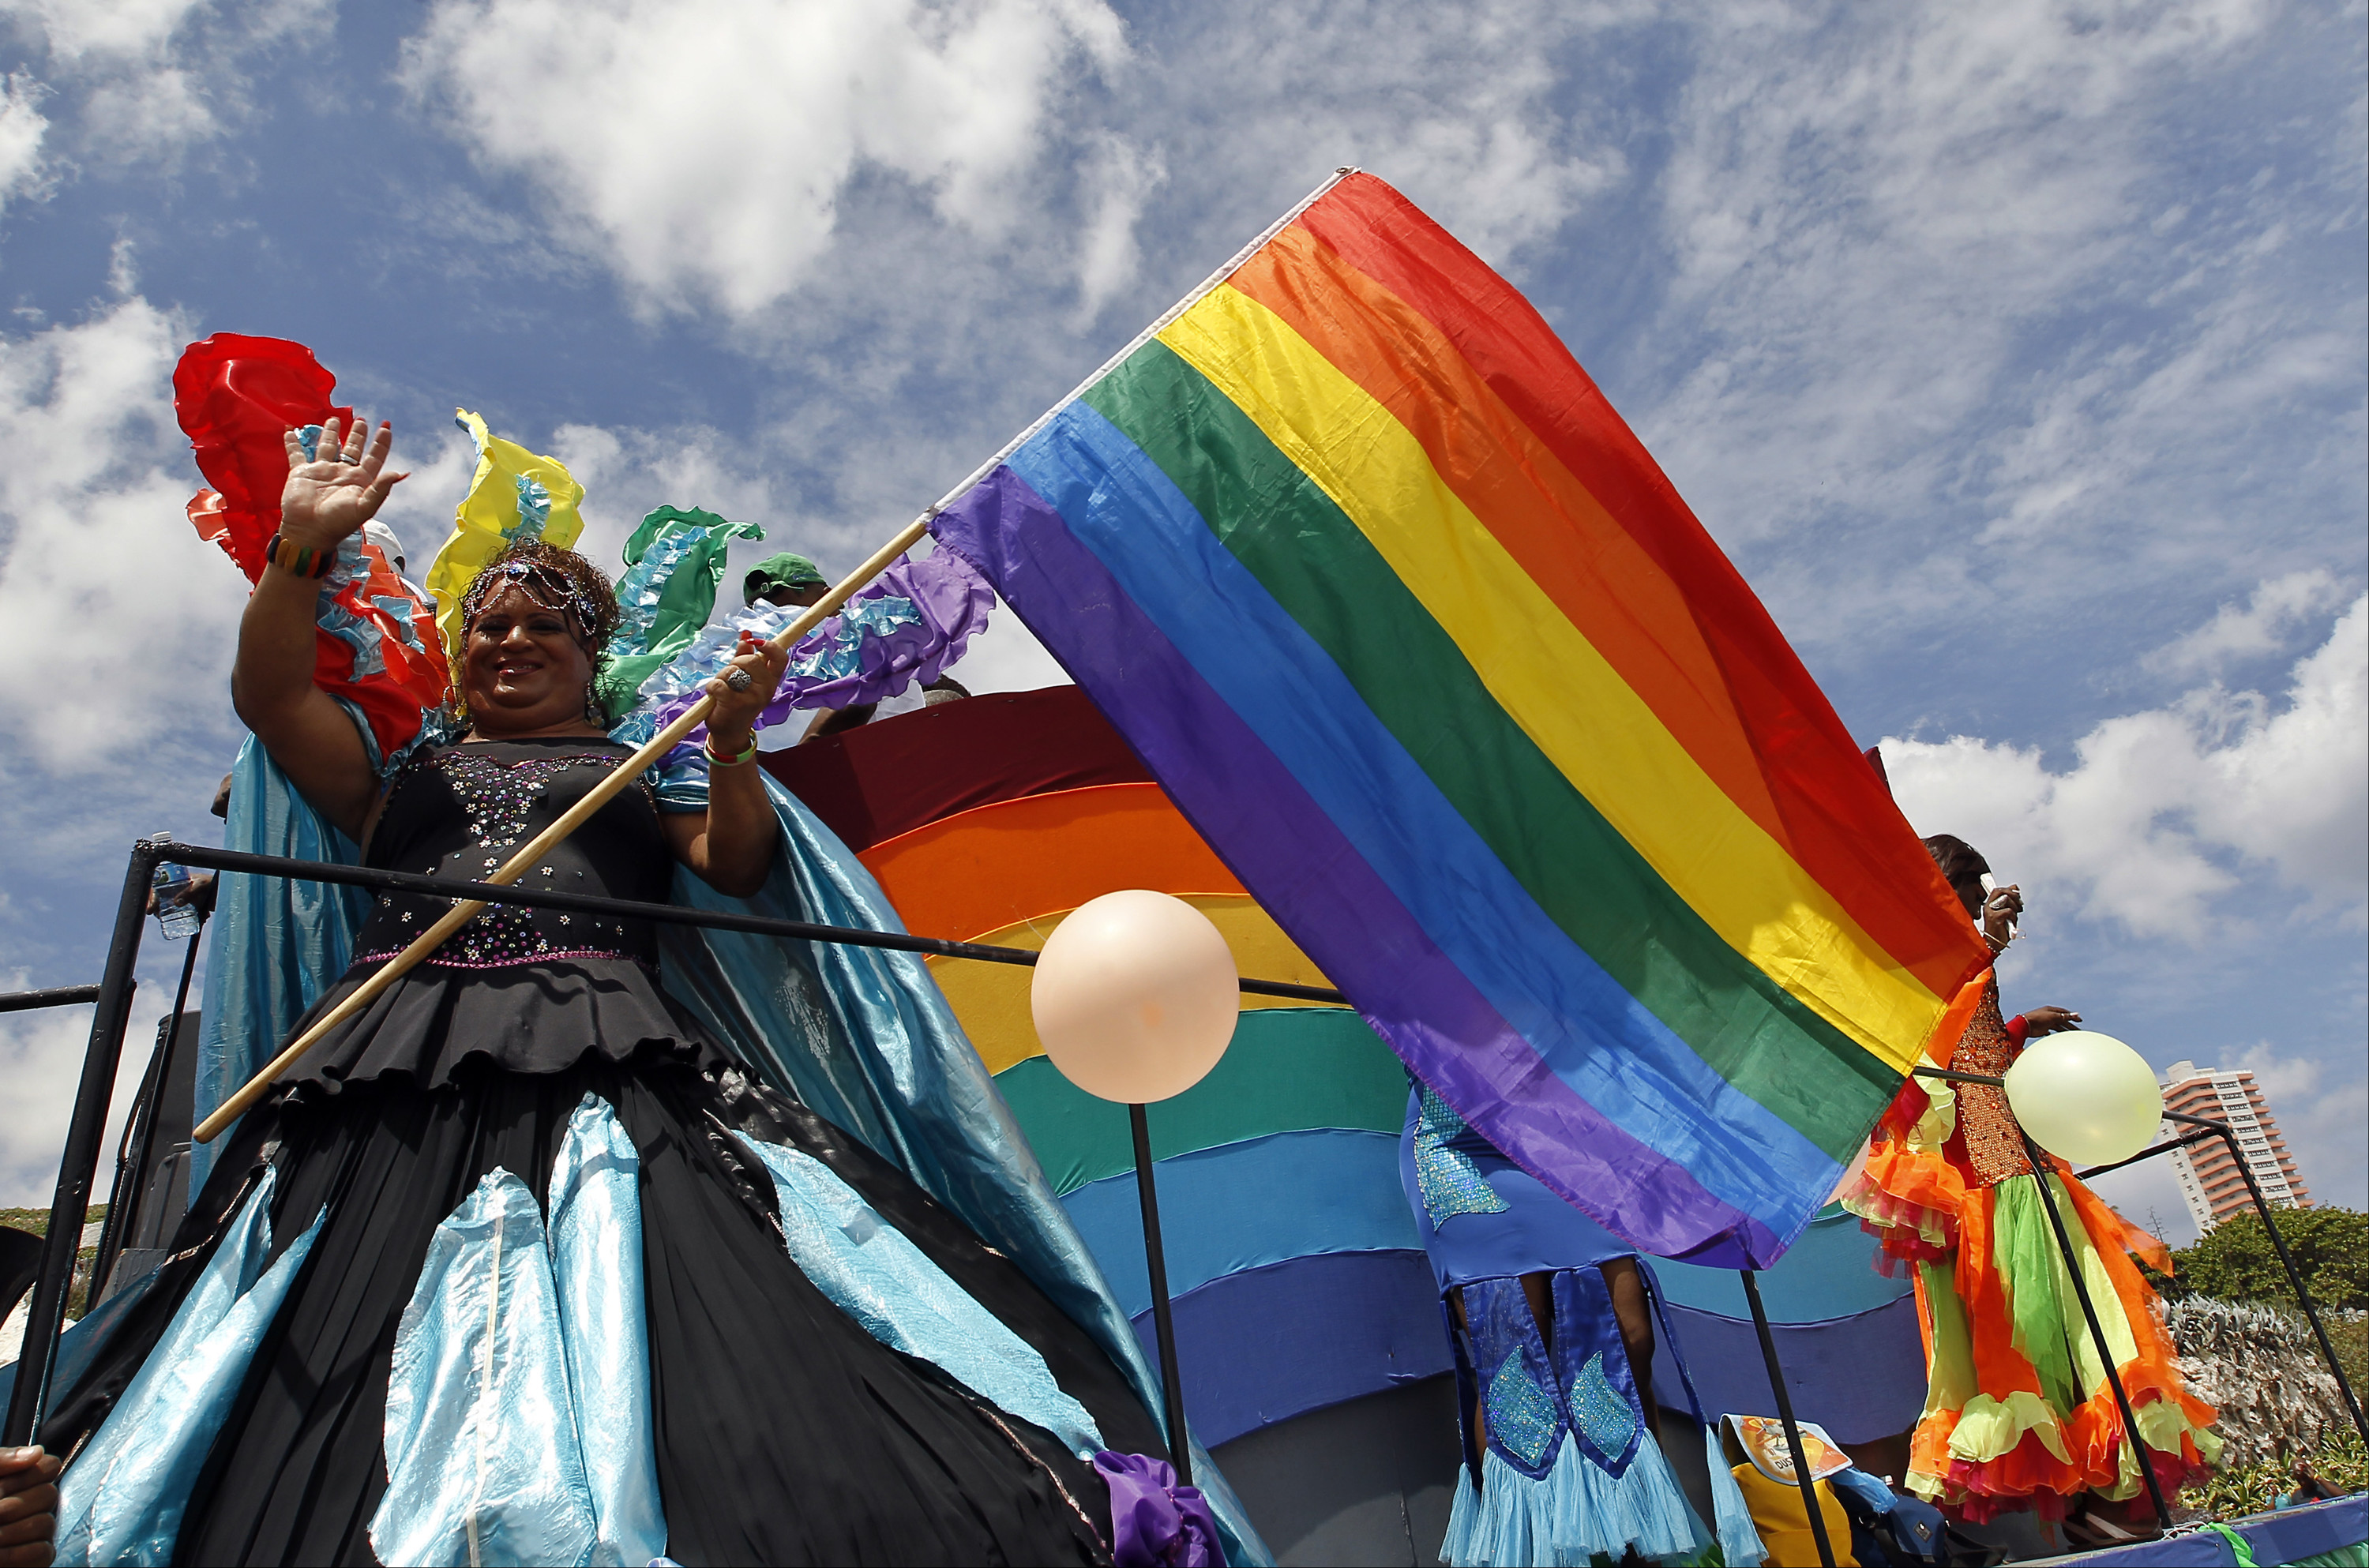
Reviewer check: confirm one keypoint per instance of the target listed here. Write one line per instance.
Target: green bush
(2235, 1261)
(2340, 1460)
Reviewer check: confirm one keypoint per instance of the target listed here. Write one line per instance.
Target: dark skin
(526, 670)
(1632, 1307)
(29, 1506)
(1997, 914)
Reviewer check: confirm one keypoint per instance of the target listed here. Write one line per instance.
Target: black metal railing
(77, 1168)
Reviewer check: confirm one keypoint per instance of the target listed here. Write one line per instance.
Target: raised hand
(330, 496)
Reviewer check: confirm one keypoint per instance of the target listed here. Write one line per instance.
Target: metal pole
(56, 995)
(140, 1130)
(1164, 1324)
(29, 1398)
(2295, 1277)
(2131, 1438)
(675, 914)
(2172, 1146)
(1802, 1476)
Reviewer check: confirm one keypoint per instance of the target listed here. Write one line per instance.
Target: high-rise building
(2209, 1177)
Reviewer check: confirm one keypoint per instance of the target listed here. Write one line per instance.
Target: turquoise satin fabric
(518, 1424)
(482, 1460)
(863, 1035)
(865, 1038)
(872, 1272)
(596, 1261)
(275, 945)
(122, 1499)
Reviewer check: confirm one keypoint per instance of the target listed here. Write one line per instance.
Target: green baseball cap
(787, 569)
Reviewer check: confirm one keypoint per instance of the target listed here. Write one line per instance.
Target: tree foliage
(2236, 1263)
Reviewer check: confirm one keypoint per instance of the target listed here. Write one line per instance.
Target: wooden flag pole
(665, 740)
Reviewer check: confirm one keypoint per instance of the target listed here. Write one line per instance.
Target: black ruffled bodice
(532, 990)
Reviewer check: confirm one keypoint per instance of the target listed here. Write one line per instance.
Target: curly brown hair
(554, 577)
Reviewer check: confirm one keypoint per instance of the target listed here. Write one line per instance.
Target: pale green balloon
(2085, 1097)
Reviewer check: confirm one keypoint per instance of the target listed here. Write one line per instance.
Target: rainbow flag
(1425, 645)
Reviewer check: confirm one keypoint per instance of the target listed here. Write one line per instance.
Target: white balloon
(2085, 1097)
(1135, 997)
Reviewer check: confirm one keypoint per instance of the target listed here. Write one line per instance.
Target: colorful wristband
(721, 761)
(299, 560)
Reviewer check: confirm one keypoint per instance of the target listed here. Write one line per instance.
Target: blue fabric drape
(483, 1465)
(518, 1424)
(864, 1037)
(596, 1264)
(875, 1275)
(277, 945)
(122, 1499)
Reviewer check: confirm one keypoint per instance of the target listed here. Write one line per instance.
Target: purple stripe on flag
(1256, 814)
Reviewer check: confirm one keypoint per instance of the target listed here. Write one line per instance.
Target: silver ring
(737, 679)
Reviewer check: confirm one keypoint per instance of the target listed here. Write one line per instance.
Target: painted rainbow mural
(1423, 643)
(1297, 1271)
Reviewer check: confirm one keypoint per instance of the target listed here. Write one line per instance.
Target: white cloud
(22, 127)
(1121, 177)
(1967, 308)
(112, 612)
(2319, 1114)
(704, 147)
(152, 80)
(76, 29)
(45, 1049)
(2166, 808)
(1251, 104)
(2265, 623)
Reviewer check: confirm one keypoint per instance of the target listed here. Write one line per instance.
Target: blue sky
(2015, 353)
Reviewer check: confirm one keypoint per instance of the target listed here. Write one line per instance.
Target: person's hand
(2000, 911)
(734, 718)
(2049, 1021)
(28, 1507)
(342, 488)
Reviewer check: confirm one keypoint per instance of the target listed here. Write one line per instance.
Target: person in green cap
(788, 578)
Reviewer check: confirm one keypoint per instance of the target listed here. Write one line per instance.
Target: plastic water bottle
(177, 918)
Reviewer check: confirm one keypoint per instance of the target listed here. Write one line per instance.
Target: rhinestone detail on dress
(501, 798)
(1449, 1180)
(1600, 1414)
(1521, 1416)
(1994, 1139)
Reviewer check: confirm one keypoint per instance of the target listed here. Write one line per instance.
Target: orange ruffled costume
(2017, 1412)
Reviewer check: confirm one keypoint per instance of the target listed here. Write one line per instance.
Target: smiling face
(526, 669)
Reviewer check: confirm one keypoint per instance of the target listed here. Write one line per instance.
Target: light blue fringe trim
(1576, 1513)
(1739, 1538)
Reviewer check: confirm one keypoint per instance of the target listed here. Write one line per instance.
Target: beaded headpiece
(558, 579)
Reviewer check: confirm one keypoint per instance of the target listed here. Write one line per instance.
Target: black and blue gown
(388, 1367)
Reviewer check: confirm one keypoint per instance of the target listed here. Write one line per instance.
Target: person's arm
(731, 845)
(2041, 1021)
(271, 685)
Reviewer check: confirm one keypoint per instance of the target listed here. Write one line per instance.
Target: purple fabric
(954, 602)
(1154, 1522)
(1293, 858)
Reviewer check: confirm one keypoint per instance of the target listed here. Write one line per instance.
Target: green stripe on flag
(1329, 578)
